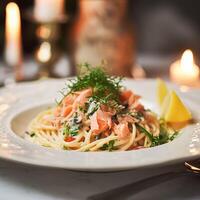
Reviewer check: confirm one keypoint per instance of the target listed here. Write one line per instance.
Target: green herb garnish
(173, 136)
(106, 89)
(70, 131)
(143, 130)
(138, 115)
(32, 134)
(72, 127)
(110, 146)
(157, 140)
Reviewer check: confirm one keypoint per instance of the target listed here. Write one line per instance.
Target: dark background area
(162, 27)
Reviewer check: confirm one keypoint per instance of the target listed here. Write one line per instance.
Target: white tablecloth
(23, 182)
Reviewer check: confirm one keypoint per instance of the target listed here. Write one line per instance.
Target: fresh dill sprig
(162, 138)
(105, 88)
(109, 146)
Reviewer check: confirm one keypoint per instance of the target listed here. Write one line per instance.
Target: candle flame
(12, 17)
(185, 71)
(44, 52)
(187, 61)
(13, 51)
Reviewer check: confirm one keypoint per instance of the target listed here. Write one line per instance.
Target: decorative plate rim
(14, 148)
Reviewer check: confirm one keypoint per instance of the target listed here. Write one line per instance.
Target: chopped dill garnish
(32, 134)
(110, 146)
(162, 138)
(67, 131)
(106, 89)
(143, 130)
(73, 126)
(173, 136)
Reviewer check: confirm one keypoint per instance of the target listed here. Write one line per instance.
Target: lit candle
(44, 52)
(48, 10)
(13, 50)
(185, 71)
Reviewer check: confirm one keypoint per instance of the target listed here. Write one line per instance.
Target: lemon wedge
(165, 104)
(173, 109)
(161, 91)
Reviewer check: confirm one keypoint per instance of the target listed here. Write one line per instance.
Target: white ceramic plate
(20, 103)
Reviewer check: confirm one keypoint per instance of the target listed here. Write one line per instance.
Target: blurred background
(151, 34)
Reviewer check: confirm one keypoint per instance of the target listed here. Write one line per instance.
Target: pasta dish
(96, 113)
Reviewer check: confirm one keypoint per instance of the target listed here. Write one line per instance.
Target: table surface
(23, 182)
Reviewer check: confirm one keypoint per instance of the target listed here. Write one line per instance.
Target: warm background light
(13, 35)
(187, 61)
(44, 52)
(185, 71)
(48, 10)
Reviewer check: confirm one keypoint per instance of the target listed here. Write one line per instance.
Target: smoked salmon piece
(129, 97)
(100, 121)
(82, 98)
(66, 110)
(125, 95)
(122, 130)
(68, 100)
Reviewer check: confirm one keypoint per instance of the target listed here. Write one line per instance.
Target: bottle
(103, 31)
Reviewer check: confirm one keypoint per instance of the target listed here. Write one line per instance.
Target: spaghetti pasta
(98, 114)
